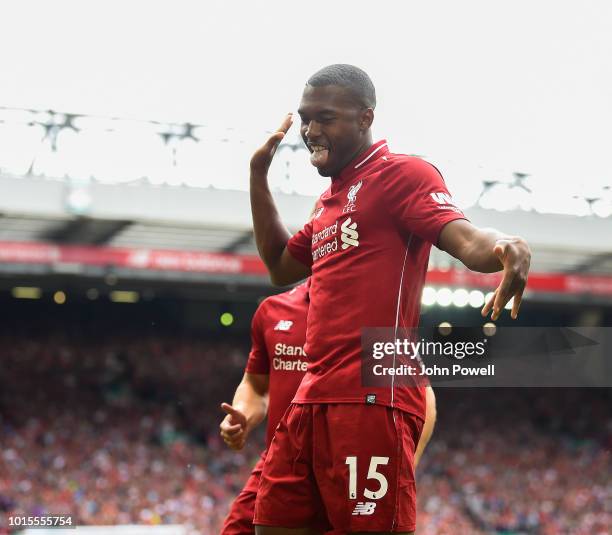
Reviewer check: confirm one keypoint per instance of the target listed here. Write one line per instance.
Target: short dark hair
(353, 78)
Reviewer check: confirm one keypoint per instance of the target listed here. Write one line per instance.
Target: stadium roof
(211, 220)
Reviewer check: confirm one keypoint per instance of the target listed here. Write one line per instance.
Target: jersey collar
(374, 152)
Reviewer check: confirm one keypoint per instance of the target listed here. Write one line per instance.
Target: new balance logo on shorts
(364, 508)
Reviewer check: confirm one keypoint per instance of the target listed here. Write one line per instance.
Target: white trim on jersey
(369, 156)
(399, 300)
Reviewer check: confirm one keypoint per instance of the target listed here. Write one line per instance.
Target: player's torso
(359, 280)
(359, 258)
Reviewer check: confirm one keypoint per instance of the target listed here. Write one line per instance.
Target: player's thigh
(364, 467)
(288, 496)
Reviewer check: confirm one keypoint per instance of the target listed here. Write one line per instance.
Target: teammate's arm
(487, 251)
(271, 235)
(248, 409)
(428, 426)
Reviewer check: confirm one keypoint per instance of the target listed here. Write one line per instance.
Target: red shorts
(344, 467)
(239, 521)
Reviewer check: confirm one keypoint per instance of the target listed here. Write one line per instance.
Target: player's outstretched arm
(487, 251)
(248, 409)
(428, 426)
(271, 235)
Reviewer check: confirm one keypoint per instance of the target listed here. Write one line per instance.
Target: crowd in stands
(519, 461)
(123, 429)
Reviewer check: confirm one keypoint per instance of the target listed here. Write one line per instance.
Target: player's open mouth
(319, 154)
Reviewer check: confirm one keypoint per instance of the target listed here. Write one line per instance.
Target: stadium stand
(121, 427)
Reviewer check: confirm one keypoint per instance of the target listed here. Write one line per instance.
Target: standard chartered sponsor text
(325, 248)
(331, 230)
(279, 363)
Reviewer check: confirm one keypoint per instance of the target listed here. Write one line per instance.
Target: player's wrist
(253, 420)
(259, 172)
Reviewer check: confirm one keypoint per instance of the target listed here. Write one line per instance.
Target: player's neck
(363, 148)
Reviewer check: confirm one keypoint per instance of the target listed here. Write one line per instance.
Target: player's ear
(366, 119)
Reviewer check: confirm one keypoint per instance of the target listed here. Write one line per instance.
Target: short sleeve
(417, 198)
(300, 243)
(259, 361)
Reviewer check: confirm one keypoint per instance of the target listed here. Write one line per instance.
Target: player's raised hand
(262, 158)
(233, 427)
(515, 256)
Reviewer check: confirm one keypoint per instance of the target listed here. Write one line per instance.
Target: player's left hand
(233, 427)
(515, 256)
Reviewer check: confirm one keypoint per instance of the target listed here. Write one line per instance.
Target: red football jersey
(368, 246)
(278, 333)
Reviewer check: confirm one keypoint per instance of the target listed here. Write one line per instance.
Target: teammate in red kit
(344, 450)
(275, 367)
(273, 372)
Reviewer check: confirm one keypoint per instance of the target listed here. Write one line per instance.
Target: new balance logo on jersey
(442, 198)
(444, 201)
(364, 508)
(349, 236)
(283, 325)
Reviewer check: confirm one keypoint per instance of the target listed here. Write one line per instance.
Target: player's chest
(349, 222)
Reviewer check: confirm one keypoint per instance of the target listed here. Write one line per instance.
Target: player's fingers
(502, 296)
(225, 422)
(235, 417)
(227, 408)
(489, 305)
(500, 249)
(273, 142)
(516, 305)
(286, 124)
(233, 439)
(228, 431)
(229, 434)
(262, 158)
(277, 136)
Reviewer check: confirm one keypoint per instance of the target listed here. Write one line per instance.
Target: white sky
(515, 85)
